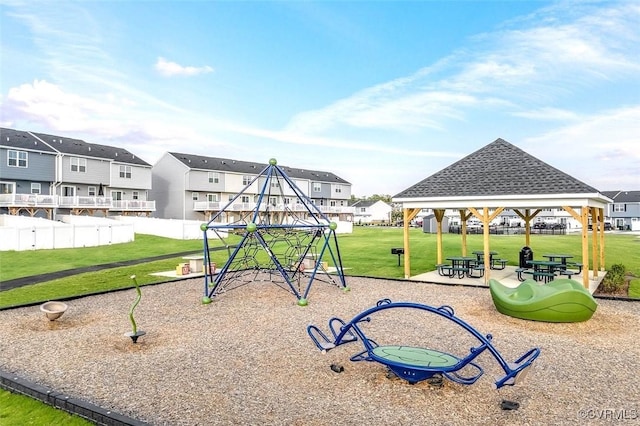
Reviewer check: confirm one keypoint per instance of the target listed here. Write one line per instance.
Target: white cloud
(548, 113)
(170, 69)
(48, 104)
(538, 65)
(601, 149)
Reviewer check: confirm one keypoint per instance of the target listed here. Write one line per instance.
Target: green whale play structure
(561, 300)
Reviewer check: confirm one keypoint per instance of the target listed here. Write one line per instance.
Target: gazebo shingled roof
(499, 168)
(497, 176)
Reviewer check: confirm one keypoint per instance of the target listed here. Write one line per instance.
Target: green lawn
(20, 410)
(366, 252)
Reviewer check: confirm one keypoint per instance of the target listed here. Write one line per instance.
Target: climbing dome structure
(284, 239)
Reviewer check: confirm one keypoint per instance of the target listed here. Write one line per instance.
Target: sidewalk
(35, 279)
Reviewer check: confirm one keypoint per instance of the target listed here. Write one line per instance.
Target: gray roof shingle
(499, 168)
(624, 196)
(11, 138)
(81, 148)
(364, 203)
(236, 166)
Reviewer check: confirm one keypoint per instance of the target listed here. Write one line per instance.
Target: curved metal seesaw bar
(344, 332)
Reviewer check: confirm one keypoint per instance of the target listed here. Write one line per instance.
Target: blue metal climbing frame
(290, 236)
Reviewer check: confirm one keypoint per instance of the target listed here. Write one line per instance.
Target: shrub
(614, 280)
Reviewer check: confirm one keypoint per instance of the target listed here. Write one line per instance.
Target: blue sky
(381, 93)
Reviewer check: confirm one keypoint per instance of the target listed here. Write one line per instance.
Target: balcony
(215, 206)
(28, 201)
(133, 206)
(85, 202)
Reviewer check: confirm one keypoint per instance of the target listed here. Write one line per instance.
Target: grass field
(366, 252)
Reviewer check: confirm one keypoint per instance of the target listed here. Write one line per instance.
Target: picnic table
(461, 266)
(562, 258)
(544, 269)
(493, 259)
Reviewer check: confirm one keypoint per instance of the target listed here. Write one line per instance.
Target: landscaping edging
(84, 409)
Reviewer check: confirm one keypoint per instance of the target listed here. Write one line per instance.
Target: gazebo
(502, 176)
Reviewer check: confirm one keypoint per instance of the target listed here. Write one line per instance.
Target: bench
(479, 269)
(569, 273)
(577, 265)
(537, 275)
(501, 262)
(460, 271)
(519, 272)
(443, 269)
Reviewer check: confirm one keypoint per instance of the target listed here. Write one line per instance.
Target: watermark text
(610, 414)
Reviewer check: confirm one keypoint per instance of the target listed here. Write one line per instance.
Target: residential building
(27, 174)
(41, 173)
(195, 187)
(624, 212)
(371, 212)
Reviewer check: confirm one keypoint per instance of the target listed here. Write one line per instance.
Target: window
(125, 172)
(78, 164)
(338, 189)
(275, 184)
(273, 201)
(68, 191)
(244, 199)
(363, 209)
(36, 188)
(286, 201)
(619, 207)
(17, 158)
(92, 191)
(194, 196)
(212, 198)
(135, 195)
(231, 197)
(317, 187)
(214, 177)
(332, 203)
(246, 180)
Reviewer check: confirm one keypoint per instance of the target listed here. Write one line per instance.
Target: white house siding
(198, 180)
(141, 179)
(168, 185)
(97, 171)
(235, 184)
(303, 185)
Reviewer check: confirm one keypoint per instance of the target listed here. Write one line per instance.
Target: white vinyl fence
(69, 231)
(27, 233)
(169, 228)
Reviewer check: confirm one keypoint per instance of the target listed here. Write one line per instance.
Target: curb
(79, 407)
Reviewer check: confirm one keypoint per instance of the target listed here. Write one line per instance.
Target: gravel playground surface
(247, 359)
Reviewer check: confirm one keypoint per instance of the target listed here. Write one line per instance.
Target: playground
(246, 357)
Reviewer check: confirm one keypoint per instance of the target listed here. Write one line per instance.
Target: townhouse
(624, 212)
(43, 174)
(195, 187)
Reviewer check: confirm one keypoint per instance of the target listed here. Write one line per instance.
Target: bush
(614, 280)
